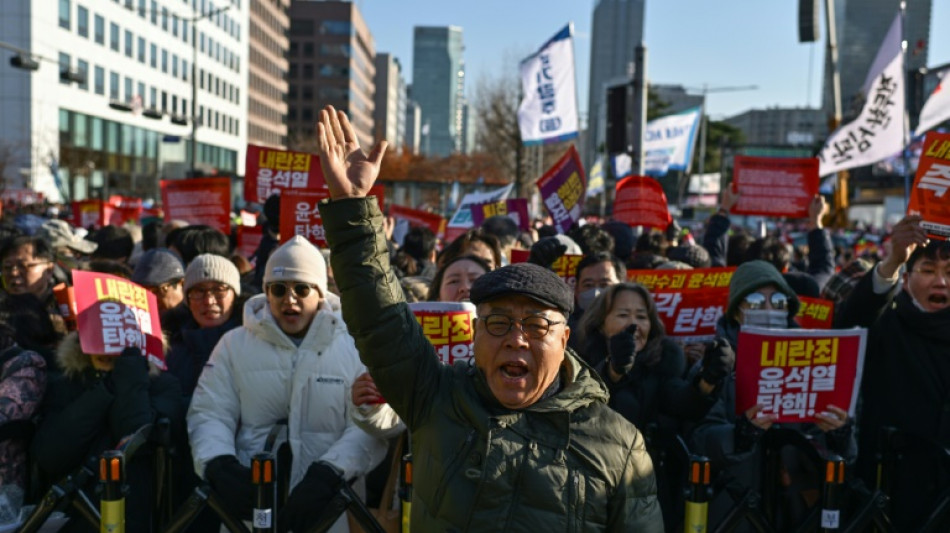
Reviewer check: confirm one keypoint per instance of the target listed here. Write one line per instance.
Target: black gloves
(231, 482)
(546, 251)
(310, 498)
(718, 361)
(622, 349)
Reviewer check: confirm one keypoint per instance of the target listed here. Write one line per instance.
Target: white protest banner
(548, 112)
(668, 142)
(936, 109)
(878, 132)
(462, 219)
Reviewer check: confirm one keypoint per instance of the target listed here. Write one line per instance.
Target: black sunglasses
(300, 290)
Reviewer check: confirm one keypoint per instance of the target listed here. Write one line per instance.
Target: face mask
(765, 318)
(586, 298)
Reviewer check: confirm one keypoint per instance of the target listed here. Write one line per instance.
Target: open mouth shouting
(514, 372)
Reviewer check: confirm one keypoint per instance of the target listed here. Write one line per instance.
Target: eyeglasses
(756, 300)
(534, 327)
(160, 290)
(299, 290)
(22, 267)
(929, 271)
(219, 292)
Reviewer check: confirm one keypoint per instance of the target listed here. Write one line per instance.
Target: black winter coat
(190, 345)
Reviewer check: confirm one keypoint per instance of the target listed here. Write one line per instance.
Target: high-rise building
(331, 63)
(390, 111)
(861, 27)
(111, 102)
(617, 28)
(413, 127)
(468, 128)
(438, 80)
(267, 72)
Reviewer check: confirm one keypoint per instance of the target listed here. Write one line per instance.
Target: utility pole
(702, 116)
(639, 119)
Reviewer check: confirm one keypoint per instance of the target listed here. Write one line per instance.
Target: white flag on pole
(548, 112)
(878, 132)
(668, 142)
(936, 109)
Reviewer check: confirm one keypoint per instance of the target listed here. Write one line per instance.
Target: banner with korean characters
(688, 302)
(114, 314)
(775, 186)
(199, 201)
(565, 267)
(268, 171)
(929, 197)
(640, 201)
(249, 239)
(514, 208)
(418, 217)
(448, 326)
(563, 189)
(88, 213)
(121, 209)
(797, 373)
(300, 214)
(815, 313)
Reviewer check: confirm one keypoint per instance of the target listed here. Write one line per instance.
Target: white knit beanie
(297, 260)
(209, 267)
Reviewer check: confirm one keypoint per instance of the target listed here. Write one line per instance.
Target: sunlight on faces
(628, 308)
(294, 314)
(519, 369)
(169, 294)
(929, 283)
(23, 273)
(457, 280)
(211, 303)
(480, 249)
(598, 276)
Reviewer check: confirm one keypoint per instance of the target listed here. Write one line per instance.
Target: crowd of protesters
(256, 342)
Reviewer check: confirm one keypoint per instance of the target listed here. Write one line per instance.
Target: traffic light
(24, 62)
(808, 28)
(617, 119)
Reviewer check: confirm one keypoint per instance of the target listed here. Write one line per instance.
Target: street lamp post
(194, 80)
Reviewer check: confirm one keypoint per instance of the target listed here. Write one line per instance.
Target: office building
(676, 97)
(267, 73)
(390, 111)
(331, 63)
(413, 126)
(438, 79)
(111, 78)
(776, 127)
(617, 28)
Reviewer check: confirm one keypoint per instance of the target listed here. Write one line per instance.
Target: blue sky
(690, 42)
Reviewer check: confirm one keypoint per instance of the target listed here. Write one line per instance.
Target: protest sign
(199, 201)
(796, 373)
(88, 213)
(565, 266)
(114, 314)
(688, 302)
(249, 239)
(513, 208)
(248, 218)
(775, 186)
(815, 313)
(121, 209)
(461, 221)
(929, 197)
(640, 201)
(562, 189)
(418, 217)
(300, 214)
(548, 111)
(448, 326)
(269, 170)
(668, 142)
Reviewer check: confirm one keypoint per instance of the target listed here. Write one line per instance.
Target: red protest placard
(418, 217)
(87, 213)
(688, 302)
(775, 186)
(249, 239)
(514, 208)
(565, 267)
(815, 313)
(199, 201)
(640, 201)
(114, 314)
(448, 326)
(797, 373)
(929, 197)
(563, 188)
(269, 170)
(300, 215)
(121, 209)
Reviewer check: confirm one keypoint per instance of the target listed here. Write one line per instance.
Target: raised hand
(349, 172)
(906, 236)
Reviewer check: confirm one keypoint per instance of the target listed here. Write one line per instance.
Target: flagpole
(904, 123)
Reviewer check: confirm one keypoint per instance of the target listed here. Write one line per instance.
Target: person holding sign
(760, 296)
(519, 440)
(907, 374)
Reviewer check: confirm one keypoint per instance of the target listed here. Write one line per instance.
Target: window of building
(165, 19)
(128, 89)
(141, 50)
(64, 14)
(335, 27)
(96, 134)
(153, 11)
(100, 29)
(164, 61)
(153, 55)
(184, 69)
(114, 85)
(292, 92)
(184, 30)
(128, 43)
(303, 27)
(308, 49)
(82, 21)
(307, 93)
(114, 36)
(140, 92)
(82, 68)
(64, 64)
(174, 104)
(153, 96)
(307, 114)
(99, 81)
(164, 101)
(293, 70)
(174, 66)
(292, 51)
(308, 71)
(175, 25)
(142, 10)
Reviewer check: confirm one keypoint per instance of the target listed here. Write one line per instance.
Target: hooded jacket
(565, 463)
(257, 376)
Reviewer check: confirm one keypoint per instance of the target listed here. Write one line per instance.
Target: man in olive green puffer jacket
(523, 439)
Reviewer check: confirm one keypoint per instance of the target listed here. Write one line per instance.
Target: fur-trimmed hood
(74, 363)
